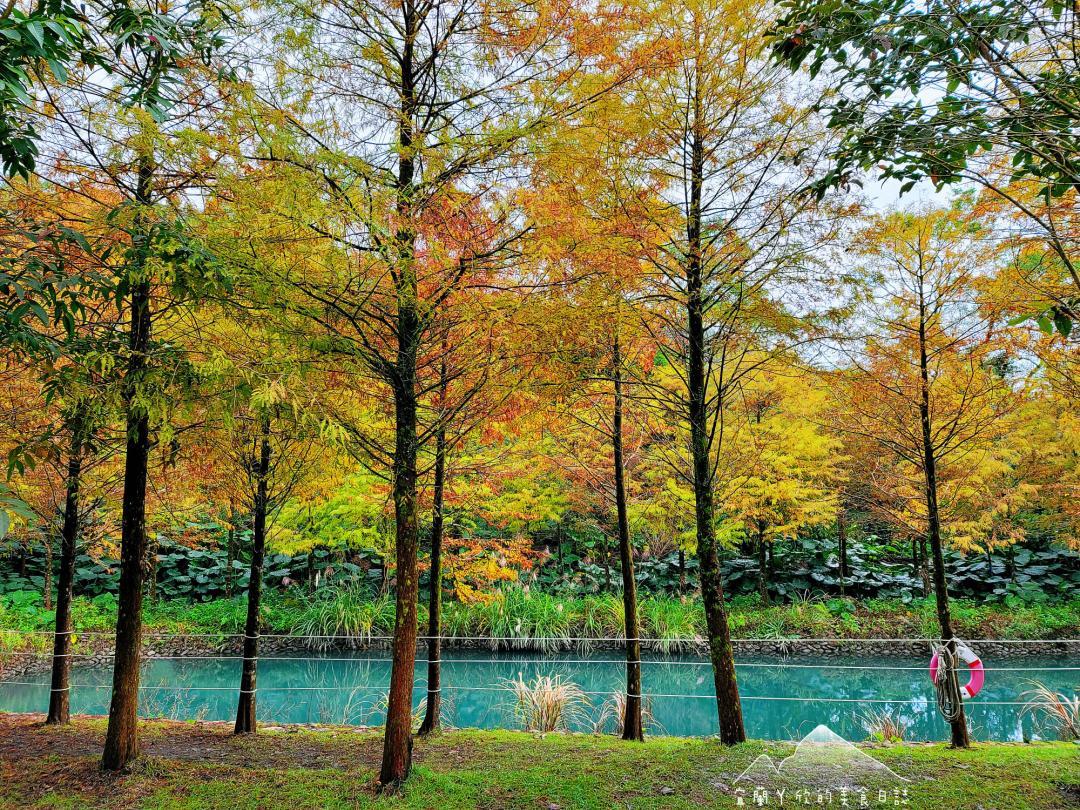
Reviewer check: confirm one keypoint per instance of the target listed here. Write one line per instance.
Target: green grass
(335, 769)
(520, 616)
(344, 613)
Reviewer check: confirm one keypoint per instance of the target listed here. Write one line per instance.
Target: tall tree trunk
(46, 578)
(60, 693)
(606, 554)
(728, 705)
(924, 567)
(958, 724)
(151, 571)
(230, 555)
(841, 538)
(763, 569)
(245, 708)
(633, 728)
(915, 558)
(397, 740)
(432, 715)
(121, 737)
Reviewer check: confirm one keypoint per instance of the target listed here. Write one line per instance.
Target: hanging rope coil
(950, 702)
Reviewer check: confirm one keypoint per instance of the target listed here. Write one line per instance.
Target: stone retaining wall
(101, 649)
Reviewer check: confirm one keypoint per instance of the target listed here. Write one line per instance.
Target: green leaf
(1063, 323)
(36, 31)
(57, 70)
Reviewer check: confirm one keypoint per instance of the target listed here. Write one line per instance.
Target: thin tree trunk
(728, 704)
(60, 693)
(606, 553)
(397, 740)
(763, 568)
(245, 709)
(432, 715)
(841, 537)
(633, 728)
(121, 737)
(924, 567)
(958, 724)
(682, 572)
(151, 571)
(230, 555)
(46, 583)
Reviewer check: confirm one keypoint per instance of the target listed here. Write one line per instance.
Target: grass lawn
(189, 765)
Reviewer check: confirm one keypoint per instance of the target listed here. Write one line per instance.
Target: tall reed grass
(346, 616)
(519, 618)
(548, 703)
(1055, 710)
(612, 716)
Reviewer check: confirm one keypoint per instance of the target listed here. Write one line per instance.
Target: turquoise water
(782, 698)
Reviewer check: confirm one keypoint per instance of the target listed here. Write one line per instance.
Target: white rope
(901, 701)
(551, 662)
(371, 687)
(904, 701)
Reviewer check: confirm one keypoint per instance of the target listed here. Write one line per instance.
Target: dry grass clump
(548, 703)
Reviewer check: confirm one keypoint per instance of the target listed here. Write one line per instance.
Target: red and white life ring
(975, 667)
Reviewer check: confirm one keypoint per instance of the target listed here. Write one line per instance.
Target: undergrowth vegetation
(517, 617)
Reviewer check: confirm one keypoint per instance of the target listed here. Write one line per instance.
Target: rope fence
(921, 701)
(546, 661)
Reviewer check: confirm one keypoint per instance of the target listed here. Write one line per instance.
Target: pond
(782, 698)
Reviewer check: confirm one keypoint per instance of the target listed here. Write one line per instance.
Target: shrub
(884, 726)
